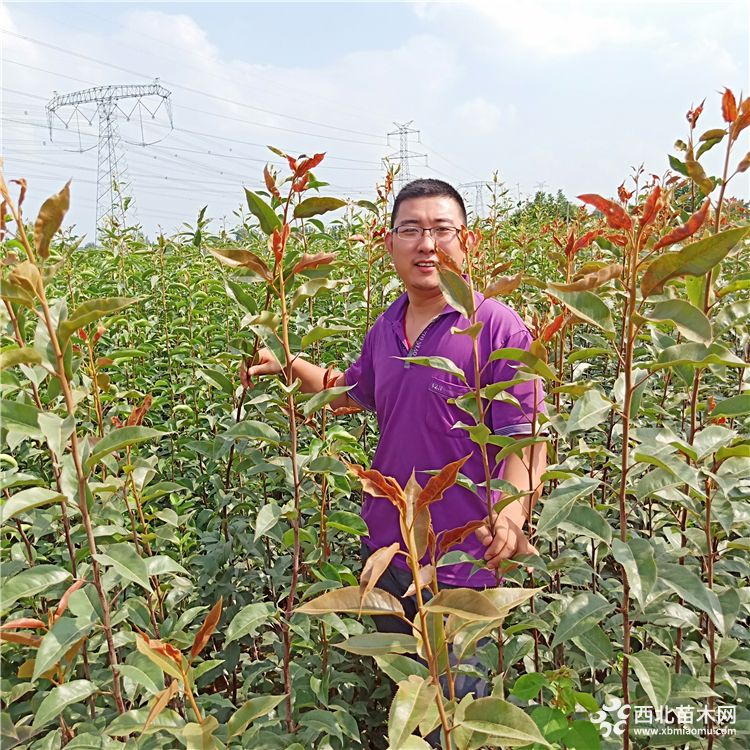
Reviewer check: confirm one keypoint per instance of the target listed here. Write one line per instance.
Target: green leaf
(159, 565)
(217, 380)
(34, 497)
(412, 699)
(20, 417)
(322, 332)
(57, 431)
(558, 505)
(653, 675)
(126, 562)
(134, 721)
(87, 741)
(589, 411)
(735, 406)
(587, 306)
(57, 641)
(266, 519)
(14, 355)
(317, 205)
(585, 611)
(263, 212)
(251, 710)
(698, 355)
(89, 312)
(323, 398)
(119, 439)
(678, 166)
(471, 604)
(351, 523)
(552, 722)
(527, 686)
(347, 599)
(438, 363)
(15, 293)
(456, 292)
(732, 316)
(250, 429)
(399, 667)
(248, 620)
(582, 735)
(689, 320)
(310, 289)
(695, 259)
(637, 557)
(595, 644)
(59, 697)
(372, 644)
(200, 736)
(693, 590)
(30, 582)
(532, 362)
(507, 725)
(322, 721)
(583, 519)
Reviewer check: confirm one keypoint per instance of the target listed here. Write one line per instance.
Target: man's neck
(425, 308)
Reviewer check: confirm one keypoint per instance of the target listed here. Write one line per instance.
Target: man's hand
(264, 363)
(507, 540)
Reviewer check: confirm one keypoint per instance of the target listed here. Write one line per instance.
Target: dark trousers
(396, 581)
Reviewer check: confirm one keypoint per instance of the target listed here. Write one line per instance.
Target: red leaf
(552, 328)
(616, 216)
(453, 537)
(270, 182)
(585, 240)
(139, 412)
(443, 480)
(308, 261)
(208, 627)
(376, 484)
(689, 228)
(569, 245)
(292, 163)
(63, 605)
(694, 114)
(728, 106)
(278, 241)
(23, 622)
(618, 239)
(307, 164)
(22, 638)
(651, 207)
(743, 118)
(623, 194)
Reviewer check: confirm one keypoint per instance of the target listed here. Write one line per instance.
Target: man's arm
(508, 538)
(311, 376)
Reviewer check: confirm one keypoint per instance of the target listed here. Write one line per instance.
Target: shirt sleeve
(516, 415)
(361, 375)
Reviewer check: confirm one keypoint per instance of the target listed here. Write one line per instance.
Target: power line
(173, 84)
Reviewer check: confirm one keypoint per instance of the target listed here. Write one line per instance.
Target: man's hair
(427, 188)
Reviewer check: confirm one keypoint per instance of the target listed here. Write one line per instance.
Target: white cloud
(479, 115)
(561, 29)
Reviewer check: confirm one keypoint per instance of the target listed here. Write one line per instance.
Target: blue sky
(559, 94)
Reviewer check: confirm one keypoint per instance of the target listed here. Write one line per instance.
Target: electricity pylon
(477, 198)
(403, 155)
(110, 103)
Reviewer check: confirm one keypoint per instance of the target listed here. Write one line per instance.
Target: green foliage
(144, 483)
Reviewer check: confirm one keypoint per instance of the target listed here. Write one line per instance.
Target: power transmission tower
(403, 155)
(110, 103)
(473, 193)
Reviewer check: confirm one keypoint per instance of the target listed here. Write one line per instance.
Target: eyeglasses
(412, 233)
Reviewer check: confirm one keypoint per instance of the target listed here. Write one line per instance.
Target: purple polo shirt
(415, 418)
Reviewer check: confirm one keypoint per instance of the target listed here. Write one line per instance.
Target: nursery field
(180, 545)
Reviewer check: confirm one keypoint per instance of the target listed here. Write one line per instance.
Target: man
(413, 403)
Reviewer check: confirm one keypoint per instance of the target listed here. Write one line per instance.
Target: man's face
(415, 260)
